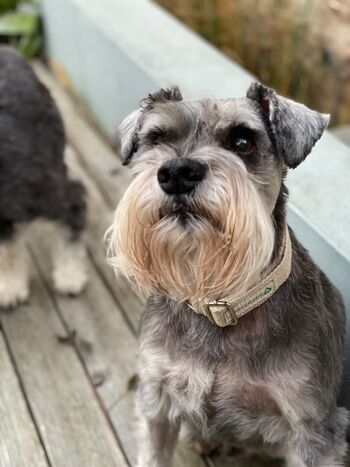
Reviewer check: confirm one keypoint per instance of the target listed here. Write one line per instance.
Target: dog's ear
(131, 125)
(128, 135)
(294, 128)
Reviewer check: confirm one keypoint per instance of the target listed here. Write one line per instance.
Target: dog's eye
(156, 136)
(242, 140)
(243, 144)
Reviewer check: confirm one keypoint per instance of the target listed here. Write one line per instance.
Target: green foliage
(20, 26)
(7, 5)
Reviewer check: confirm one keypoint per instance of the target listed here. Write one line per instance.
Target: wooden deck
(66, 364)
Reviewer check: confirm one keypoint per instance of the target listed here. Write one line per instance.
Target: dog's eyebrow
(154, 122)
(154, 129)
(238, 113)
(229, 126)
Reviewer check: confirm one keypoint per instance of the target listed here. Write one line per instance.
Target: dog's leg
(323, 446)
(157, 432)
(69, 273)
(69, 255)
(156, 442)
(14, 282)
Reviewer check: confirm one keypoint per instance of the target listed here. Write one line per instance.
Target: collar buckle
(221, 313)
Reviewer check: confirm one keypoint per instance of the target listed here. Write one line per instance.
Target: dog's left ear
(294, 127)
(131, 125)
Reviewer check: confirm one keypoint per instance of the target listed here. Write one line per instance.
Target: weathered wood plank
(19, 441)
(97, 327)
(72, 425)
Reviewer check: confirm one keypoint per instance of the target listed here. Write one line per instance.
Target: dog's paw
(14, 290)
(70, 279)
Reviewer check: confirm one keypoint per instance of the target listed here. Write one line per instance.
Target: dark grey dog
(34, 182)
(242, 336)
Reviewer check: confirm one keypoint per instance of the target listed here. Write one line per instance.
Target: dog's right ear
(131, 125)
(128, 135)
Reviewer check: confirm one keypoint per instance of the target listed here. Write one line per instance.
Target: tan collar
(224, 313)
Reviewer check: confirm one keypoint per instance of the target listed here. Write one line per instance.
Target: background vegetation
(20, 26)
(299, 47)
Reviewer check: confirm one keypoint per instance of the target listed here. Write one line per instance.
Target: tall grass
(278, 41)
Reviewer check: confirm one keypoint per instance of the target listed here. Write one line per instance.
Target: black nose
(179, 176)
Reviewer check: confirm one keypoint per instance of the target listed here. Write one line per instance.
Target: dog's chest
(218, 399)
(188, 387)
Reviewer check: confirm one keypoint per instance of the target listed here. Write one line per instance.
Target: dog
(34, 183)
(242, 334)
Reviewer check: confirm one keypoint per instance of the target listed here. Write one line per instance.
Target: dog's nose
(179, 176)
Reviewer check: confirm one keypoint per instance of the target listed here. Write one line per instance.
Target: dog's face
(196, 222)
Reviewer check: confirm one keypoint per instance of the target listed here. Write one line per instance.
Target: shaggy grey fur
(33, 176)
(34, 182)
(269, 383)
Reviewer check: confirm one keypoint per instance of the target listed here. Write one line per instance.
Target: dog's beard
(206, 246)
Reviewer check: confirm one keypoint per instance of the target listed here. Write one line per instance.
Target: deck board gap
(25, 397)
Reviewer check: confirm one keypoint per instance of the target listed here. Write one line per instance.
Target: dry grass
(283, 42)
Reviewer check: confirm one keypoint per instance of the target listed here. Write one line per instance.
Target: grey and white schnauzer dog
(34, 183)
(242, 334)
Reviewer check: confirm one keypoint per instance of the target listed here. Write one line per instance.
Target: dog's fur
(269, 383)
(34, 182)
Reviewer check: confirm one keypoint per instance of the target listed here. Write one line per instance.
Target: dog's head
(196, 222)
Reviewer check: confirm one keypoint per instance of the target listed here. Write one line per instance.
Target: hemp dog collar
(227, 313)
